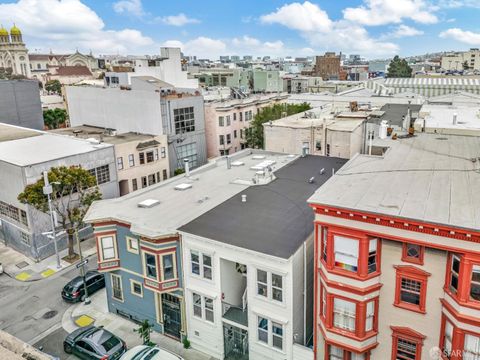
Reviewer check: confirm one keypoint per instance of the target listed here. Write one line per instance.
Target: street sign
(82, 263)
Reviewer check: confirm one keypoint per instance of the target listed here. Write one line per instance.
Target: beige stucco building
(226, 121)
(141, 159)
(317, 132)
(457, 60)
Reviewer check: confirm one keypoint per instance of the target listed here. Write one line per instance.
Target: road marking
(48, 272)
(23, 276)
(84, 321)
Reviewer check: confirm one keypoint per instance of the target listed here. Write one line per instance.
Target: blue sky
(371, 28)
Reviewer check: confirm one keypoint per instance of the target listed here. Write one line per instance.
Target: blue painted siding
(133, 306)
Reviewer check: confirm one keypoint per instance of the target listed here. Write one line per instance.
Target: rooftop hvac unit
(148, 203)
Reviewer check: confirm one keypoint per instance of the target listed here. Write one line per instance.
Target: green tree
(399, 68)
(53, 118)
(254, 134)
(53, 86)
(144, 331)
(74, 190)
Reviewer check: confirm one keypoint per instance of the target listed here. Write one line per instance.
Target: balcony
(236, 314)
(234, 292)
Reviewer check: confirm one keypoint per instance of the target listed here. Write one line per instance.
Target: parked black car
(94, 343)
(74, 291)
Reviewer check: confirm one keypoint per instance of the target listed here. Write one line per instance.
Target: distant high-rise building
(247, 58)
(225, 58)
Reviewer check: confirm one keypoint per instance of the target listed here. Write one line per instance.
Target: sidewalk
(22, 268)
(97, 314)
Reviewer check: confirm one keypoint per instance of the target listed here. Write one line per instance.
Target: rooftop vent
(263, 165)
(183, 186)
(258, 157)
(238, 163)
(146, 204)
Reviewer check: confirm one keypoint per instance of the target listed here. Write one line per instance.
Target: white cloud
(403, 31)
(305, 17)
(382, 12)
(459, 3)
(177, 20)
(465, 36)
(133, 7)
(64, 25)
(320, 31)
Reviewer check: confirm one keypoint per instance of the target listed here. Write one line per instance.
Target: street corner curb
(68, 322)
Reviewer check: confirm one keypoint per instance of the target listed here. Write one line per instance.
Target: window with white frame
(344, 314)
(203, 307)
(370, 316)
(151, 266)
(201, 264)
(168, 267)
(372, 255)
(132, 245)
(270, 332)
(475, 283)
(155, 153)
(471, 347)
(107, 247)
(270, 285)
(163, 152)
(136, 288)
(120, 163)
(131, 160)
(335, 353)
(117, 290)
(447, 338)
(346, 253)
(221, 121)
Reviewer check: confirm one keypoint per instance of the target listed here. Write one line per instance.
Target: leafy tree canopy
(399, 68)
(53, 86)
(53, 118)
(74, 190)
(254, 135)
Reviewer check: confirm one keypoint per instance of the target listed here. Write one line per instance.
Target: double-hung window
(203, 307)
(270, 332)
(447, 339)
(120, 163)
(454, 271)
(221, 121)
(344, 314)
(108, 247)
(471, 347)
(411, 288)
(201, 264)
(151, 266)
(270, 285)
(406, 350)
(475, 283)
(132, 245)
(168, 267)
(131, 160)
(372, 255)
(346, 253)
(117, 290)
(410, 291)
(370, 316)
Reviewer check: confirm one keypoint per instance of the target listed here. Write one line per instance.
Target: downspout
(304, 293)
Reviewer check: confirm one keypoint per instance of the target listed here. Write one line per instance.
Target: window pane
(335, 353)
(276, 280)
(262, 330)
(195, 262)
(410, 291)
(406, 350)
(475, 283)
(344, 314)
(262, 283)
(277, 334)
(209, 309)
(413, 250)
(168, 270)
(151, 265)
(346, 253)
(197, 305)
(471, 347)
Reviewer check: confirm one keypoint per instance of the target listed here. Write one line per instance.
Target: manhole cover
(50, 314)
(22, 264)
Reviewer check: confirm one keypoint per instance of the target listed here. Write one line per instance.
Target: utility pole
(47, 190)
(82, 268)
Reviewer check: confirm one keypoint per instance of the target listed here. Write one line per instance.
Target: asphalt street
(32, 310)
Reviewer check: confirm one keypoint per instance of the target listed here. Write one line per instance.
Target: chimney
(454, 118)
(187, 167)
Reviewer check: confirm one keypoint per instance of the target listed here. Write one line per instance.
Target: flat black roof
(394, 113)
(276, 218)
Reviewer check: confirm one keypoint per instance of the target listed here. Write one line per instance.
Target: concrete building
(141, 159)
(226, 122)
(328, 66)
(302, 84)
(317, 132)
(167, 68)
(150, 107)
(248, 282)
(13, 52)
(24, 155)
(20, 104)
(397, 256)
(459, 61)
(142, 256)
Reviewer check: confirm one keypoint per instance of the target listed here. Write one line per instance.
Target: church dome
(15, 31)
(3, 31)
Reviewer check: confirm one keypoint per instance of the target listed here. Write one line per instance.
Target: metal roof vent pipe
(454, 118)
(304, 151)
(244, 198)
(229, 162)
(187, 167)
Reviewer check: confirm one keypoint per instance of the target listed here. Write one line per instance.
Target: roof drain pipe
(187, 167)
